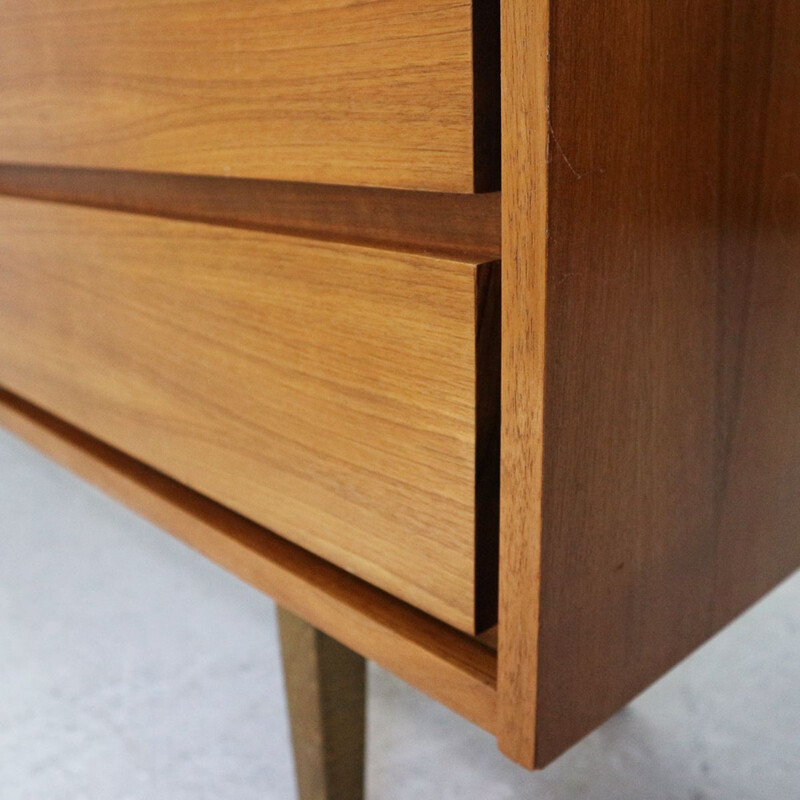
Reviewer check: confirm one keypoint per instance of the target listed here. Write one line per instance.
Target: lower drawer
(342, 396)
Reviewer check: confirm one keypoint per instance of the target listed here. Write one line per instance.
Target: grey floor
(130, 667)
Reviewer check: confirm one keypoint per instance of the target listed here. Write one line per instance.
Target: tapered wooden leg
(325, 686)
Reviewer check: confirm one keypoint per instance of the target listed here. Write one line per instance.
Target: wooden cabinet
(306, 381)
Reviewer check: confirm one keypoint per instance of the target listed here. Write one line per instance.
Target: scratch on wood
(578, 175)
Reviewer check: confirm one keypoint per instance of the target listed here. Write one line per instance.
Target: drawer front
(388, 92)
(329, 392)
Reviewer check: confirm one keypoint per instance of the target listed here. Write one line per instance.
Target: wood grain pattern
(462, 225)
(671, 486)
(525, 28)
(757, 508)
(326, 695)
(326, 391)
(383, 93)
(447, 665)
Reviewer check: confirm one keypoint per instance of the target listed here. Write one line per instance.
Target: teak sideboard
(467, 331)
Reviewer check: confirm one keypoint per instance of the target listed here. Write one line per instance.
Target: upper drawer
(344, 397)
(399, 93)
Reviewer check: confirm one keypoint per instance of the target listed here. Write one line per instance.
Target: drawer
(399, 93)
(344, 397)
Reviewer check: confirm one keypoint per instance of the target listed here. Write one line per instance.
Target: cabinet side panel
(758, 513)
(671, 485)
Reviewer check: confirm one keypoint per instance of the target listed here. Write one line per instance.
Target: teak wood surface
(385, 93)
(329, 392)
(651, 339)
